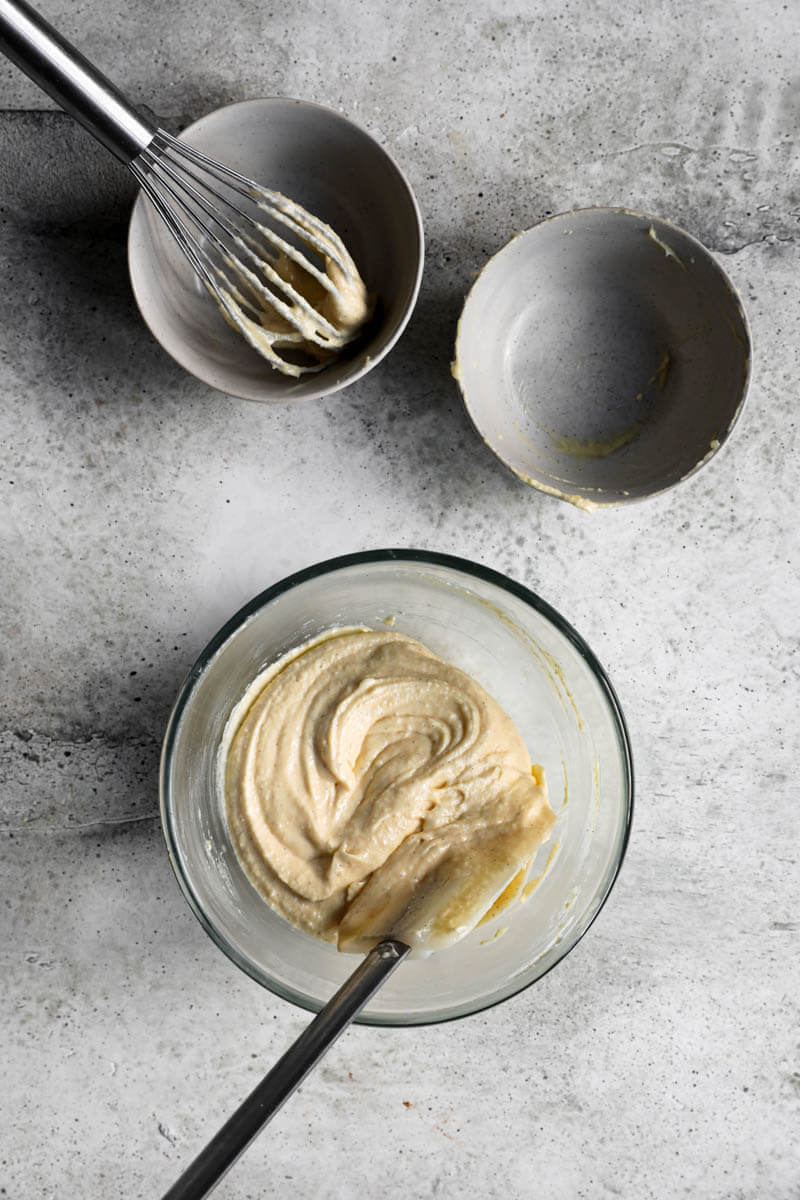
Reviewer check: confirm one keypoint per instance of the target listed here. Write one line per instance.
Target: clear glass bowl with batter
(539, 670)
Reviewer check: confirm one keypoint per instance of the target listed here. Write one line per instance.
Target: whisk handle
(69, 78)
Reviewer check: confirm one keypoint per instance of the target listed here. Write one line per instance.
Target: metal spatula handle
(288, 1073)
(61, 71)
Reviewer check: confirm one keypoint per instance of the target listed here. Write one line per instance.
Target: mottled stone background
(139, 509)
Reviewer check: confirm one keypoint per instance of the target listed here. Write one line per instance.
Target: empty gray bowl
(339, 173)
(603, 355)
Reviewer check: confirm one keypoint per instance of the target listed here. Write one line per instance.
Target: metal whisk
(280, 276)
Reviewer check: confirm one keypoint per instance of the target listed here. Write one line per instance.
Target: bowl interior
(603, 354)
(337, 172)
(545, 679)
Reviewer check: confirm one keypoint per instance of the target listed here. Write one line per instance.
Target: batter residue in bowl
(373, 789)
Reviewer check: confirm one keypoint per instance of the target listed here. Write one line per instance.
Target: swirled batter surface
(373, 789)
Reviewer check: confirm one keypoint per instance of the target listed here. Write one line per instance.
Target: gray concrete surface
(139, 509)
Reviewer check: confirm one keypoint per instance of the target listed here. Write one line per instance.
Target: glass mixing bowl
(543, 675)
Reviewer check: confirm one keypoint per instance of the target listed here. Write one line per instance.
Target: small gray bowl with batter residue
(603, 355)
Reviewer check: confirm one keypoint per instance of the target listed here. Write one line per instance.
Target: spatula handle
(288, 1073)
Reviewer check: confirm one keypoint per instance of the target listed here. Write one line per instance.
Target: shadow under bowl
(603, 355)
(336, 171)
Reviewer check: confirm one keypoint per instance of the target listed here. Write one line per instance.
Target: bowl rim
(327, 567)
(587, 502)
(369, 361)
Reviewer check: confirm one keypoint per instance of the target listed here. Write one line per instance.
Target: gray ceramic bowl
(336, 171)
(603, 355)
(546, 679)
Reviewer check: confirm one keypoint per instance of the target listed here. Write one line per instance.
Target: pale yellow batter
(372, 789)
